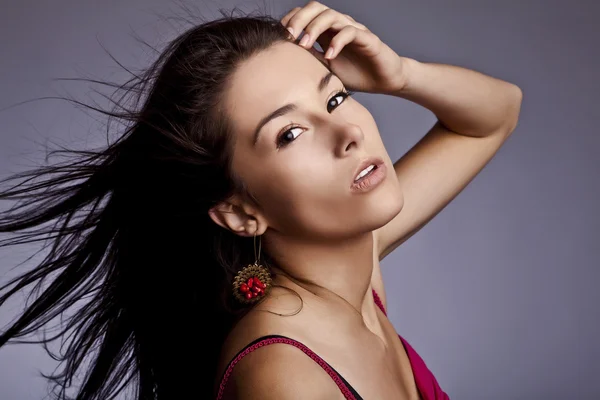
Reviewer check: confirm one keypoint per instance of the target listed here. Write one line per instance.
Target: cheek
(298, 196)
(290, 184)
(281, 203)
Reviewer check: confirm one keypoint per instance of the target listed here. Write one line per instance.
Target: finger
(286, 18)
(304, 16)
(349, 34)
(328, 20)
(319, 55)
(360, 26)
(355, 22)
(324, 39)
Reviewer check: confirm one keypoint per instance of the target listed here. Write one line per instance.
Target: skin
(311, 223)
(315, 228)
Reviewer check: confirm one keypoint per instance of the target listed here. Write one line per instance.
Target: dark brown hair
(127, 229)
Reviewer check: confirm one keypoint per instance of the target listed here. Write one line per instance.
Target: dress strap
(378, 302)
(347, 390)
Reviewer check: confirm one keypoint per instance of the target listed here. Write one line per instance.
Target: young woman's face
(304, 161)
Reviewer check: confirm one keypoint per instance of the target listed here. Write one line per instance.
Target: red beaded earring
(253, 281)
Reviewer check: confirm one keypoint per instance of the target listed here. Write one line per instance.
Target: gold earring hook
(259, 248)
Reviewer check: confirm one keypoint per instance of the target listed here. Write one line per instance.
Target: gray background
(499, 293)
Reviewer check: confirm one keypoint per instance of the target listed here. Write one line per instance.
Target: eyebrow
(288, 107)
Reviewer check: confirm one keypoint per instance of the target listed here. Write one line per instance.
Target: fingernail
(304, 40)
(291, 30)
(329, 53)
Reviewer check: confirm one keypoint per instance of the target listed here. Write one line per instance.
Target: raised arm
(476, 113)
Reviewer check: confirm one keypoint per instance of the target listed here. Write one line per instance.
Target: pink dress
(427, 385)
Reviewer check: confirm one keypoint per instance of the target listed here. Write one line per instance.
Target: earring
(253, 281)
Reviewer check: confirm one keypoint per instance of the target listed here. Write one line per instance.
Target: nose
(349, 138)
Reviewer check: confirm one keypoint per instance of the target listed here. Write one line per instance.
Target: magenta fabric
(428, 387)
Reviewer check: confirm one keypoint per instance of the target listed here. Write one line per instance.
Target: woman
(228, 243)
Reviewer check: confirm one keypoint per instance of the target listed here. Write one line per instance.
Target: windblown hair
(126, 228)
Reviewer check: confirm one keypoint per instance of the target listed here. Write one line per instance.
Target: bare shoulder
(280, 371)
(276, 370)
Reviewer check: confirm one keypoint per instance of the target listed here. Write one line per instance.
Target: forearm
(465, 101)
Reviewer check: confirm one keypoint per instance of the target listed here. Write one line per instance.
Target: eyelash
(279, 141)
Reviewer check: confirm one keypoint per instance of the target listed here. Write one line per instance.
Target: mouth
(369, 174)
(366, 168)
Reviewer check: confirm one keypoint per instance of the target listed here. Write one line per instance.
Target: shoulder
(280, 371)
(274, 370)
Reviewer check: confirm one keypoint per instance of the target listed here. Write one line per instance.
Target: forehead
(284, 73)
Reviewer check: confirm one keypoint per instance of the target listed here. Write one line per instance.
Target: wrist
(406, 70)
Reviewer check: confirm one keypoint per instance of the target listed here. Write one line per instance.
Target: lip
(371, 180)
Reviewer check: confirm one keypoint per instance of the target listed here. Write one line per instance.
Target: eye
(287, 136)
(343, 94)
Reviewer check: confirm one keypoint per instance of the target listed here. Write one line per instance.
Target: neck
(325, 268)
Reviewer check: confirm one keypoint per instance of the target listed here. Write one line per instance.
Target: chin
(390, 208)
(384, 207)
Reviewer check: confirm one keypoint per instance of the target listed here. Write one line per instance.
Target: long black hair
(127, 239)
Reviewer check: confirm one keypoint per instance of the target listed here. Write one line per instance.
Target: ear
(240, 218)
